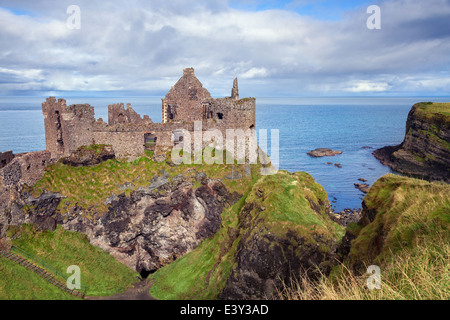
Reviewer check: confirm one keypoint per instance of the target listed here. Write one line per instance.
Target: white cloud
(145, 46)
(255, 73)
(367, 86)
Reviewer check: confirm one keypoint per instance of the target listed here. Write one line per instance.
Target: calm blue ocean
(304, 124)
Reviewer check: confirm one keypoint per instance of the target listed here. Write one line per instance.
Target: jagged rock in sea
(425, 150)
(363, 187)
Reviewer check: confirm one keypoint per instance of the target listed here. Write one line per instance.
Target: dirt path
(139, 291)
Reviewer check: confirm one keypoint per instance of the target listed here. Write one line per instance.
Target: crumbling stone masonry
(5, 158)
(69, 127)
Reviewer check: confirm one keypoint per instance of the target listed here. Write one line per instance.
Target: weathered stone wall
(67, 127)
(186, 100)
(5, 158)
(117, 114)
(236, 113)
(125, 144)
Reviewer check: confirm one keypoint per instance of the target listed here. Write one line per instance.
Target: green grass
(409, 239)
(19, 283)
(435, 107)
(287, 203)
(407, 209)
(202, 273)
(89, 187)
(60, 249)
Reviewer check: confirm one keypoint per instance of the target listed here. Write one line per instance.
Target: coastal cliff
(278, 231)
(425, 151)
(398, 250)
(243, 234)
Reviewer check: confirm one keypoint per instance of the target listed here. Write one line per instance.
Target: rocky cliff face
(278, 231)
(283, 236)
(425, 150)
(146, 230)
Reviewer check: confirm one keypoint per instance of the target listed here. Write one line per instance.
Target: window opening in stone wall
(171, 111)
(150, 141)
(178, 138)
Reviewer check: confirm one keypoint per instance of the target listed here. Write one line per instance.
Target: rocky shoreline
(346, 216)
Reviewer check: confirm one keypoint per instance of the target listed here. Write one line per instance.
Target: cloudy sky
(276, 48)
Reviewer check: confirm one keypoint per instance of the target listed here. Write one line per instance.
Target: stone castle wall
(69, 127)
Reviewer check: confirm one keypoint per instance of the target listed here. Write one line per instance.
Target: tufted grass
(413, 217)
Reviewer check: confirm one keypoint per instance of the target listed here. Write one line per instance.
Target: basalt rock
(273, 250)
(147, 229)
(425, 150)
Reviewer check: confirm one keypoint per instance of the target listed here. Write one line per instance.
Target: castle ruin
(70, 127)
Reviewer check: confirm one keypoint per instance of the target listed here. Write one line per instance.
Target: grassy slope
(61, 249)
(89, 187)
(429, 108)
(408, 210)
(202, 273)
(411, 236)
(415, 218)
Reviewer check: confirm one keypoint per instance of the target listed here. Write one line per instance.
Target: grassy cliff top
(408, 239)
(407, 211)
(434, 109)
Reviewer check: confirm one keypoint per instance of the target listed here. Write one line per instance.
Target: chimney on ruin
(188, 71)
(235, 90)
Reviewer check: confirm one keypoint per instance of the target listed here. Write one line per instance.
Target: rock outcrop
(323, 152)
(425, 151)
(146, 230)
(23, 169)
(278, 241)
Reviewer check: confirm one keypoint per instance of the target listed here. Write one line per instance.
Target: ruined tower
(66, 127)
(235, 90)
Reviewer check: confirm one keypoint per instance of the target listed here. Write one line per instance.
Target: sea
(294, 126)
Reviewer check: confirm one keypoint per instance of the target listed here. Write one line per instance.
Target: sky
(277, 48)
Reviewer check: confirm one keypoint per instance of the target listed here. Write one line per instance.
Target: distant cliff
(425, 151)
